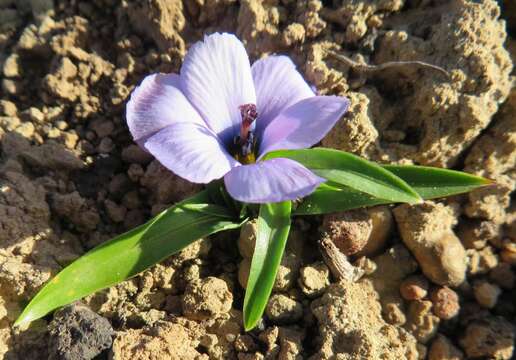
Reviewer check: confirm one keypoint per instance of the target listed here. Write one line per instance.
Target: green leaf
(352, 171)
(273, 229)
(328, 199)
(433, 183)
(130, 253)
(429, 182)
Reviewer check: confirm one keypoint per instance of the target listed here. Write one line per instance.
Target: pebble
(486, 293)
(443, 349)
(446, 303)
(489, 338)
(313, 279)
(414, 287)
(283, 310)
(77, 333)
(206, 298)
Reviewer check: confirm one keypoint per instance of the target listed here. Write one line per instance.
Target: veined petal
(303, 124)
(156, 103)
(278, 85)
(271, 181)
(216, 78)
(191, 151)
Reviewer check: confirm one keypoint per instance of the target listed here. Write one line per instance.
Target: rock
(76, 209)
(446, 303)
(102, 127)
(209, 297)
(486, 294)
(503, 275)
(26, 130)
(247, 239)
(490, 337)
(283, 310)
(176, 340)
(443, 349)
(134, 154)
(313, 279)
(53, 157)
(351, 326)
(12, 66)
(245, 343)
(77, 333)
(13, 144)
(383, 224)
(348, 230)
(414, 287)
(426, 230)
(8, 108)
(421, 322)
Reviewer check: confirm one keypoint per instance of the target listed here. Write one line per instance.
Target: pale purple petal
(269, 181)
(278, 85)
(216, 78)
(157, 103)
(303, 124)
(191, 151)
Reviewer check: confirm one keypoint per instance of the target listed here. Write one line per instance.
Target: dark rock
(77, 333)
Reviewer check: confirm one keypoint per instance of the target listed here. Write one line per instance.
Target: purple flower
(219, 116)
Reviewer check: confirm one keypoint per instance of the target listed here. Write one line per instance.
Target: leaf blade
(352, 171)
(273, 230)
(433, 183)
(128, 254)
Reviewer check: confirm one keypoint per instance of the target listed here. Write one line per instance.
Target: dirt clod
(78, 333)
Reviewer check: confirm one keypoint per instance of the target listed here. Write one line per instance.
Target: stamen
(249, 115)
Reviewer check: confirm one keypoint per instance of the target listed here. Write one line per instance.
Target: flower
(220, 116)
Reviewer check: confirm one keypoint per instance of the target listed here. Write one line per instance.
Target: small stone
(70, 139)
(348, 230)
(313, 279)
(106, 145)
(446, 303)
(269, 336)
(247, 239)
(8, 108)
(245, 343)
(206, 298)
(135, 172)
(52, 156)
(243, 272)
(61, 125)
(508, 256)
(414, 287)
(26, 130)
(12, 66)
(283, 310)
(443, 349)
(490, 337)
(426, 229)
(383, 224)
(33, 114)
(422, 323)
(486, 294)
(116, 212)
(77, 333)
(133, 154)
(102, 127)
(503, 275)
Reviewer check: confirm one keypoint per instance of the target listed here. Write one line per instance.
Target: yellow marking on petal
(246, 160)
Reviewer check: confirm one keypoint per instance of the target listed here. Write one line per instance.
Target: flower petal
(191, 151)
(303, 124)
(216, 78)
(278, 85)
(271, 181)
(156, 103)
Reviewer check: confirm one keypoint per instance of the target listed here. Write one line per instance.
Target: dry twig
(338, 263)
(365, 68)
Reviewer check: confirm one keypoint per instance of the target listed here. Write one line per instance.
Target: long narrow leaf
(273, 229)
(429, 182)
(328, 199)
(130, 253)
(433, 183)
(354, 172)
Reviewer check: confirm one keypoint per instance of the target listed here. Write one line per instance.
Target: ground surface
(441, 280)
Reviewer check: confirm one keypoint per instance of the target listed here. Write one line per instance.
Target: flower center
(244, 145)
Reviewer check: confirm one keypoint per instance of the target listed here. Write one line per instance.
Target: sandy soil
(440, 276)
